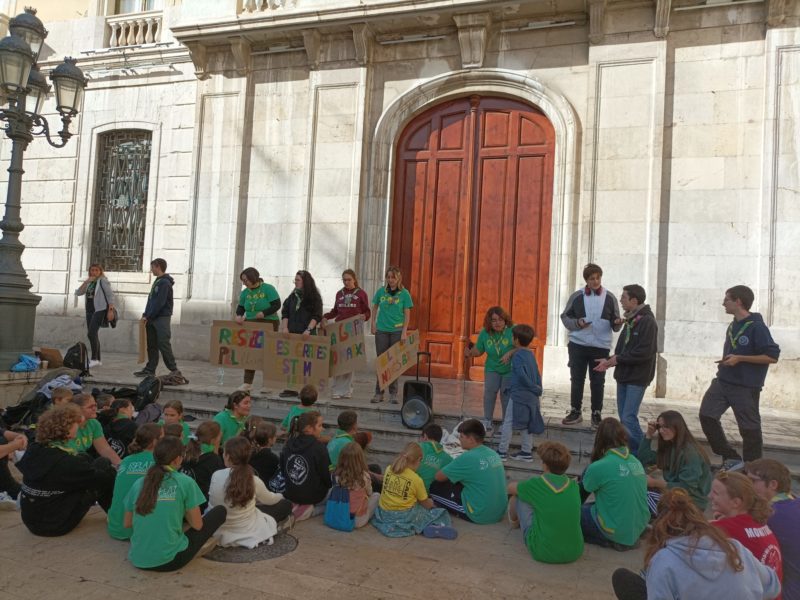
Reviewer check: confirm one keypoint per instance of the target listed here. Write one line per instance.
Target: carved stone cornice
(199, 55)
(312, 40)
(240, 48)
(362, 39)
(473, 33)
(663, 8)
(776, 12)
(597, 21)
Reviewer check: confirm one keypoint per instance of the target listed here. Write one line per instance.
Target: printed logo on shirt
(397, 486)
(490, 462)
(136, 468)
(743, 340)
(624, 471)
(771, 556)
(387, 299)
(168, 493)
(297, 469)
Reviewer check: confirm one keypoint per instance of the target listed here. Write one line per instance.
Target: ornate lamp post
(23, 90)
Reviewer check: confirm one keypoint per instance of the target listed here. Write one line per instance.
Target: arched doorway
(471, 221)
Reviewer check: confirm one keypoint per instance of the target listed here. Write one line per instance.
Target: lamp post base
(17, 319)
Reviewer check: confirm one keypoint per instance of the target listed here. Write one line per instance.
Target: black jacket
(159, 301)
(306, 466)
(299, 318)
(201, 471)
(120, 433)
(751, 337)
(266, 464)
(55, 485)
(637, 349)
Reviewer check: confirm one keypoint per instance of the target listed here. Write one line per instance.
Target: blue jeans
(592, 534)
(525, 515)
(629, 398)
(506, 432)
(493, 383)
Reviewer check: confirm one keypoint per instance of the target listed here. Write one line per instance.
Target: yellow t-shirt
(402, 491)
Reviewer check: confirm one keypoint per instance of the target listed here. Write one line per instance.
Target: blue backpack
(337, 510)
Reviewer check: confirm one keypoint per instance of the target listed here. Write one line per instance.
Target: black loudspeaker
(417, 409)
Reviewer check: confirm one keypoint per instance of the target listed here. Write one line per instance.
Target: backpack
(147, 393)
(26, 413)
(77, 357)
(149, 414)
(337, 510)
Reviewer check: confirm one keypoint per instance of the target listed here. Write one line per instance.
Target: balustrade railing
(134, 29)
(264, 5)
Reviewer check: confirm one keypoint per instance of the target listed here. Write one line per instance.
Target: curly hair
(55, 424)
(498, 311)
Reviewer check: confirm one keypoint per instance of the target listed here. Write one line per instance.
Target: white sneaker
(95, 363)
(7, 502)
(245, 387)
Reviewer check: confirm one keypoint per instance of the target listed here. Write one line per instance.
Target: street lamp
(23, 90)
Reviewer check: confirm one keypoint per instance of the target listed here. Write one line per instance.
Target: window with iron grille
(120, 204)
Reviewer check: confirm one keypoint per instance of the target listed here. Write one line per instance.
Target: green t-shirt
(295, 411)
(88, 432)
(495, 345)
(157, 537)
(484, 495)
(259, 300)
(555, 532)
(339, 441)
(230, 425)
(391, 315)
(434, 458)
(131, 469)
(619, 484)
(187, 433)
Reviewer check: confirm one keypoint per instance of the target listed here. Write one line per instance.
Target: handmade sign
(238, 346)
(142, 341)
(397, 359)
(348, 352)
(290, 362)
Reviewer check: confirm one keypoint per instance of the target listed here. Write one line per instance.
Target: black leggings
(212, 521)
(628, 585)
(278, 511)
(7, 482)
(93, 321)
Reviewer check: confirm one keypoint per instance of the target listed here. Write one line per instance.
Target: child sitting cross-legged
(548, 508)
(404, 508)
(202, 459)
(353, 474)
(263, 459)
(238, 489)
(306, 466)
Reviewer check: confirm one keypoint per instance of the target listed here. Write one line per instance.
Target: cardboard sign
(238, 346)
(397, 359)
(142, 341)
(290, 362)
(348, 352)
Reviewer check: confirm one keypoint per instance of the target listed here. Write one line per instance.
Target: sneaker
(143, 373)
(301, 512)
(522, 456)
(288, 394)
(440, 531)
(574, 417)
(392, 398)
(503, 455)
(286, 524)
(596, 418)
(377, 398)
(95, 363)
(7, 502)
(265, 391)
(245, 387)
(210, 544)
(732, 464)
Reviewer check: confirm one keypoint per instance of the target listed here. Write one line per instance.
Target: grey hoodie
(679, 571)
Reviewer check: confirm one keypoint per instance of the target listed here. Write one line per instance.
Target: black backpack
(77, 357)
(26, 413)
(147, 393)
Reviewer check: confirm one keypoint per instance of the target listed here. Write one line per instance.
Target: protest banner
(290, 362)
(142, 341)
(348, 352)
(238, 346)
(397, 359)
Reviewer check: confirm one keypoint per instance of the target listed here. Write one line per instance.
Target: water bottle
(221, 376)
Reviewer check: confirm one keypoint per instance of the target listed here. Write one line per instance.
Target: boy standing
(157, 317)
(434, 458)
(590, 315)
(523, 412)
(548, 508)
(747, 353)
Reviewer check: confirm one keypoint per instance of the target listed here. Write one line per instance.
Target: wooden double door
(471, 222)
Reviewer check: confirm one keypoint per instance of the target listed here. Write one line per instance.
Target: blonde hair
(411, 455)
(740, 486)
(397, 273)
(351, 467)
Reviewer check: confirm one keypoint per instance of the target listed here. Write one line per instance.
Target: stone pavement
(486, 561)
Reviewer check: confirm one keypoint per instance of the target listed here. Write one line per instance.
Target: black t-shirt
(266, 464)
(201, 471)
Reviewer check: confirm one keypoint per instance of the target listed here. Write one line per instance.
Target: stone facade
(273, 129)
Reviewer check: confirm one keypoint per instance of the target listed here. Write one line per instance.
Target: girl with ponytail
(306, 465)
(404, 508)
(132, 468)
(238, 489)
(202, 457)
(687, 557)
(156, 508)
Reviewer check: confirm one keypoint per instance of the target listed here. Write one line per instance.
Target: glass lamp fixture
(28, 26)
(69, 82)
(38, 89)
(16, 60)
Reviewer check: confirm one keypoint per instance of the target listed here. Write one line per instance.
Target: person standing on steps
(746, 355)
(634, 359)
(590, 316)
(157, 318)
(99, 307)
(301, 311)
(391, 306)
(258, 301)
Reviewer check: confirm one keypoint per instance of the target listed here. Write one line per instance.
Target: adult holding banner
(258, 301)
(302, 310)
(99, 307)
(392, 306)
(497, 341)
(350, 301)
